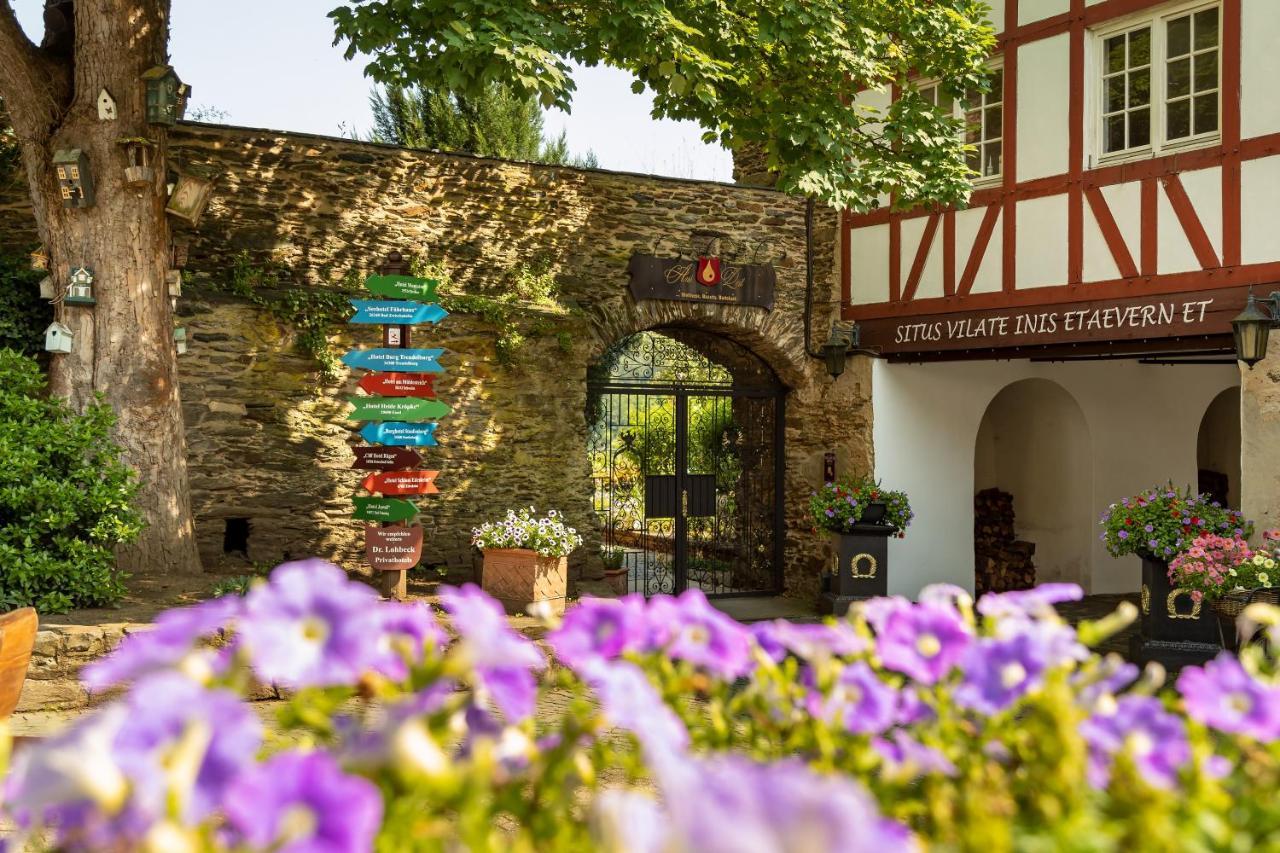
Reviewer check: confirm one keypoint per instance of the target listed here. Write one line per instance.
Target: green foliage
(838, 506)
(1164, 521)
(774, 74)
(495, 121)
(23, 314)
(65, 497)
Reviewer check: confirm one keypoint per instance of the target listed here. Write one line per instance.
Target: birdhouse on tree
(106, 106)
(191, 193)
(40, 259)
(74, 178)
(58, 338)
(180, 340)
(80, 288)
(139, 174)
(166, 95)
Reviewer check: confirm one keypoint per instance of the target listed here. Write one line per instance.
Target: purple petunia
(688, 628)
(904, 757)
(999, 672)
(402, 631)
(601, 629)
(308, 626)
(781, 637)
(1035, 602)
(503, 661)
(859, 701)
(1224, 696)
(923, 642)
(1140, 728)
(172, 639)
(631, 703)
(302, 802)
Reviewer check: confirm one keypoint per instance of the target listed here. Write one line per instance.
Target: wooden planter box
(518, 577)
(860, 567)
(1175, 630)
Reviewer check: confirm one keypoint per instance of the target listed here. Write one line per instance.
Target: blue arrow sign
(395, 312)
(395, 360)
(400, 434)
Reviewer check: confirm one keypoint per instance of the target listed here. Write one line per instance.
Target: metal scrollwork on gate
(857, 561)
(1146, 599)
(1170, 603)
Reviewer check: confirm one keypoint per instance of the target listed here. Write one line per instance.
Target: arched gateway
(685, 436)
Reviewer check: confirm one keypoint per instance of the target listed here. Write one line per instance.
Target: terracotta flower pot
(518, 577)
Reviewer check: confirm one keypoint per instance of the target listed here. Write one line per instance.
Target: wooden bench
(17, 639)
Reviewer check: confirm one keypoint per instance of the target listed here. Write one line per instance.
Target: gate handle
(684, 502)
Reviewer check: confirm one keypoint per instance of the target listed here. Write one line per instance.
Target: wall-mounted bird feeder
(58, 338)
(40, 259)
(74, 178)
(139, 174)
(106, 106)
(166, 95)
(191, 193)
(80, 288)
(180, 340)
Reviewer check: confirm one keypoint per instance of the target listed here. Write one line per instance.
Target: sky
(271, 63)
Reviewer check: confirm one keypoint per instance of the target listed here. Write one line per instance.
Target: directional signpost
(399, 412)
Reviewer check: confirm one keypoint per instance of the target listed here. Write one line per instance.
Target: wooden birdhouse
(139, 173)
(74, 178)
(58, 338)
(106, 106)
(180, 340)
(180, 250)
(190, 194)
(40, 259)
(174, 280)
(80, 288)
(47, 290)
(166, 95)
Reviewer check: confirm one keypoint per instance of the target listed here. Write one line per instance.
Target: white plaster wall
(1043, 90)
(1259, 68)
(1030, 11)
(1042, 241)
(1260, 209)
(868, 264)
(1143, 421)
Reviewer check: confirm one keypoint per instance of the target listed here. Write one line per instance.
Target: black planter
(874, 513)
(1175, 630)
(860, 568)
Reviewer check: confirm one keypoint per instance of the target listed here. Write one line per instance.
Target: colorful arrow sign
(403, 287)
(400, 434)
(396, 409)
(389, 312)
(385, 458)
(395, 360)
(399, 385)
(402, 483)
(383, 509)
(393, 549)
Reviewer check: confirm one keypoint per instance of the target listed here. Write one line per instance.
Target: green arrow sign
(383, 509)
(397, 409)
(403, 287)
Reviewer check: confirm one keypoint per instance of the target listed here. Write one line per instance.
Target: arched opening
(685, 434)
(1034, 481)
(1218, 448)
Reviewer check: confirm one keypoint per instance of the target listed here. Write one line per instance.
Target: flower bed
(942, 723)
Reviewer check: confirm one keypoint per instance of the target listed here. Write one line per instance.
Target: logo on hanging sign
(398, 384)
(702, 280)
(402, 483)
(385, 458)
(383, 509)
(708, 274)
(396, 409)
(393, 549)
(395, 312)
(403, 287)
(395, 360)
(400, 434)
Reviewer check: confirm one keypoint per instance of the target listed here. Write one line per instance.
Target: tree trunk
(123, 345)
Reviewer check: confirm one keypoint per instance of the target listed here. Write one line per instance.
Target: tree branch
(36, 89)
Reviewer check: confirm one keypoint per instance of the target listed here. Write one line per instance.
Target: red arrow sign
(385, 458)
(402, 483)
(399, 384)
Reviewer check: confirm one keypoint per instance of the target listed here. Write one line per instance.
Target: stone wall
(268, 437)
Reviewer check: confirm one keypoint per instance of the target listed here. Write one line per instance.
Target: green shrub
(65, 497)
(23, 314)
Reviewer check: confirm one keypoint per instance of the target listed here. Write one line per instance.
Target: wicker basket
(1228, 608)
(518, 577)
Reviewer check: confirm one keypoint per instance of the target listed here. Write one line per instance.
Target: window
(1160, 82)
(983, 114)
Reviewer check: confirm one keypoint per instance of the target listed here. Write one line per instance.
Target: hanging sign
(395, 360)
(385, 458)
(396, 409)
(393, 549)
(402, 483)
(402, 287)
(383, 509)
(399, 384)
(395, 312)
(400, 434)
(703, 280)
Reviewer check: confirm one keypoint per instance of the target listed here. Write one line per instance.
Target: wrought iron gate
(687, 462)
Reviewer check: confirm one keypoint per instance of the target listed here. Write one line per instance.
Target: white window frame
(980, 181)
(1159, 145)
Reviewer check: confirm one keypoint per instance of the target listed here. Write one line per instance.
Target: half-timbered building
(1065, 337)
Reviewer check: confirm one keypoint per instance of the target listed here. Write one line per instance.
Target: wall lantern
(75, 181)
(166, 95)
(58, 338)
(139, 174)
(191, 194)
(1252, 327)
(80, 288)
(844, 338)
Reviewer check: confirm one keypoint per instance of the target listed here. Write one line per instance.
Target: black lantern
(842, 339)
(1252, 328)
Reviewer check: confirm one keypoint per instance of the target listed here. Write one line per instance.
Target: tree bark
(123, 345)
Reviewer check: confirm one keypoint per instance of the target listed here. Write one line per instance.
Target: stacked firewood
(1001, 561)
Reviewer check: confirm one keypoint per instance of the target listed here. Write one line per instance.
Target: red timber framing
(1137, 264)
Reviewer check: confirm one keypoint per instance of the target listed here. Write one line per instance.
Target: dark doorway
(686, 441)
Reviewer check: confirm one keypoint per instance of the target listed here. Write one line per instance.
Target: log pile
(1002, 562)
